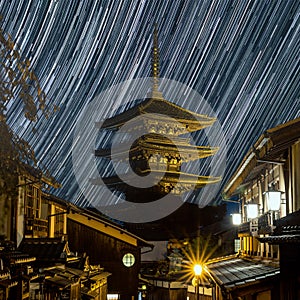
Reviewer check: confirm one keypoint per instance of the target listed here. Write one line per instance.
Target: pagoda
(162, 150)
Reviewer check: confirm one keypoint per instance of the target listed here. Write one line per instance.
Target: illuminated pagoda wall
(158, 147)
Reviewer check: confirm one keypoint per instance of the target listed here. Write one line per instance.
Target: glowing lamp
(197, 269)
(236, 219)
(273, 199)
(252, 211)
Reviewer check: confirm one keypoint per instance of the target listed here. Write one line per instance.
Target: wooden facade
(107, 244)
(39, 222)
(272, 165)
(33, 214)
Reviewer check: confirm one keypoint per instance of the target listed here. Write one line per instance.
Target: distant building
(16, 272)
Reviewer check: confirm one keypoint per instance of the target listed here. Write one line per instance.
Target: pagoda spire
(155, 65)
(155, 61)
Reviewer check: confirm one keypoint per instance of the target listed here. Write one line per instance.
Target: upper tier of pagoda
(156, 114)
(160, 116)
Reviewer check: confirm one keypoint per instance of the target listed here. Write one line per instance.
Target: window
(32, 202)
(112, 297)
(59, 222)
(32, 207)
(128, 260)
(237, 245)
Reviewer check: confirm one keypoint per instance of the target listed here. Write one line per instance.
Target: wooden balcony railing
(265, 224)
(248, 228)
(36, 227)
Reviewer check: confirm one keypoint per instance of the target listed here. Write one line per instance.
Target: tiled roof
(60, 281)
(4, 275)
(100, 276)
(156, 106)
(278, 239)
(236, 272)
(44, 249)
(8, 283)
(17, 257)
(287, 230)
(292, 219)
(283, 234)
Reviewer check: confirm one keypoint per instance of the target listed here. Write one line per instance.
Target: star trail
(242, 57)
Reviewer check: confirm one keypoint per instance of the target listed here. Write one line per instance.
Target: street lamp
(197, 271)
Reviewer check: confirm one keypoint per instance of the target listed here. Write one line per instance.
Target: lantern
(252, 210)
(236, 219)
(273, 199)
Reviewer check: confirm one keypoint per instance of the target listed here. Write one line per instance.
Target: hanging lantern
(236, 219)
(252, 210)
(273, 199)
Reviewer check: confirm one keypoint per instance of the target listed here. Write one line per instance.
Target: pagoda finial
(155, 65)
(155, 62)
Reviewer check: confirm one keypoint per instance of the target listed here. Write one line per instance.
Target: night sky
(242, 57)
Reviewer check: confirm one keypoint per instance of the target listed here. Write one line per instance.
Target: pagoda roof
(157, 144)
(191, 120)
(166, 178)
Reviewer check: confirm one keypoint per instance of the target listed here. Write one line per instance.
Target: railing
(265, 224)
(248, 228)
(36, 227)
(244, 228)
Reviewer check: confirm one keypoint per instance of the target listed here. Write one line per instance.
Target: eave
(185, 152)
(154, 106)
(185, 181)
(269, 148)
(96, 222)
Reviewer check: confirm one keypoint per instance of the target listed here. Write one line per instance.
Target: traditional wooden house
(267, 183)
(16, 272)
(29, 213)
(62, 273)
(45, 268)
(33, 213)
(111, 246)
(39, 224)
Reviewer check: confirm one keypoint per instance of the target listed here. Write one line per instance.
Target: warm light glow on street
(198, 269)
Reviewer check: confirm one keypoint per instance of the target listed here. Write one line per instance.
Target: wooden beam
(103, 227)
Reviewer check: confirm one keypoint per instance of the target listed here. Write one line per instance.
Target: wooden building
(111, 246)
(16, 272)
(62, 274)
(33, 213)
(49, 229)
(286, 236)
(267, 183)
(267, 265)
